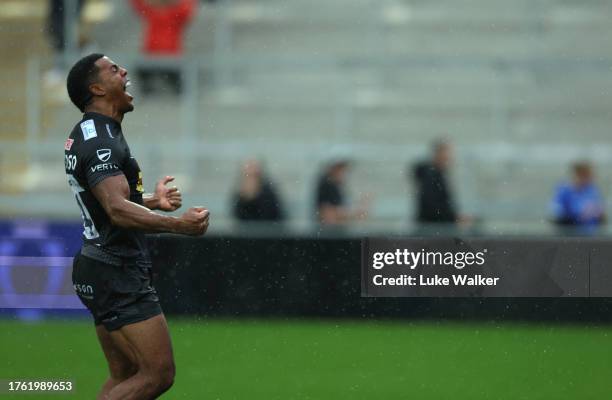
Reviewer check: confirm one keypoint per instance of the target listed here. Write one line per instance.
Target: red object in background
(164, 25)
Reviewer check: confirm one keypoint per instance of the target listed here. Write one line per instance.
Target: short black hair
(82, 74)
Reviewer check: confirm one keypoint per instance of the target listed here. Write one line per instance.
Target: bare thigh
(149, 343)
(119, 354)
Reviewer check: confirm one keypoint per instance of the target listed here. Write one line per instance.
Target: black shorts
(115, 295)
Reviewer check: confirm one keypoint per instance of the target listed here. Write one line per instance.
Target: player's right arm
(101, 160)
(113, 194)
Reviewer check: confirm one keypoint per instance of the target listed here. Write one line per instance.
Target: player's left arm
(164, 198)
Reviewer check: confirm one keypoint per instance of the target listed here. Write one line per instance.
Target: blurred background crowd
(394, 116)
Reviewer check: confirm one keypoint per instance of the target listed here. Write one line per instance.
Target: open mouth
(125, 86)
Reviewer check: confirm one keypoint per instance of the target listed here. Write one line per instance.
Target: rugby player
(112, 272)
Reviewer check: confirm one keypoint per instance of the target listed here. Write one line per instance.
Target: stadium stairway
(28, 107)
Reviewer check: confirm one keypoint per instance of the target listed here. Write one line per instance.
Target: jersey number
(70, 161)
(89, 229)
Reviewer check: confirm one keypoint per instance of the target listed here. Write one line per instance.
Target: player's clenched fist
(195, 221)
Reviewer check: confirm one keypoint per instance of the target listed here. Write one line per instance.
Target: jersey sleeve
(557, 203)
(102, 158)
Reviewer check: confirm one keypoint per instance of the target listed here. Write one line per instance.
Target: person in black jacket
(435, 203)
(331, 205)
(256, 199)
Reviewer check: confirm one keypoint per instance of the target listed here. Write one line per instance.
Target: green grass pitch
(311, 359)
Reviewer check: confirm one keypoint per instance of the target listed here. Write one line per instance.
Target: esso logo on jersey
(70, 161)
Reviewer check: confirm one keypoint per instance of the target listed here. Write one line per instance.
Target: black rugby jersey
(95, 150)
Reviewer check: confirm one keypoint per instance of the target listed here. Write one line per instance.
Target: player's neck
(106, 109)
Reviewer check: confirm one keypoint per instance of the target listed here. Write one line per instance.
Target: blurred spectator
(331, 204)
(164, 23)
(256, 198)
(57, 30)
(579, 203)
(435, 199)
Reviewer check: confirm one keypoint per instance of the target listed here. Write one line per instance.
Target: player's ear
(96, 89)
